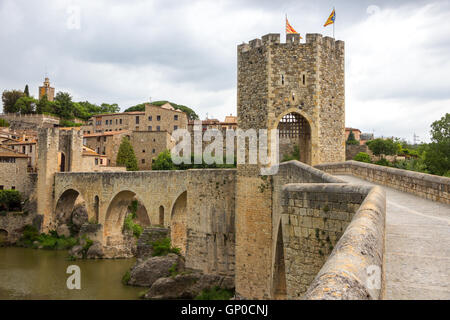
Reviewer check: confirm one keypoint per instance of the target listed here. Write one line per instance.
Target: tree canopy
(9, 99)
(382, 147)
(126, 156)
(190, 113)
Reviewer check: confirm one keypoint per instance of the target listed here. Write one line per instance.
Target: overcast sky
(126, 52)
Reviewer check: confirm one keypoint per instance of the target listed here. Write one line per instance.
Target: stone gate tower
(299, 89)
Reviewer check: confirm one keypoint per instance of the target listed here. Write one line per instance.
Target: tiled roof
(6, 152)
(105, 134)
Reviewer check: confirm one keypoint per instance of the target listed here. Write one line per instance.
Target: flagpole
(334, 22)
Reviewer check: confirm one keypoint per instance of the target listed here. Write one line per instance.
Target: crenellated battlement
(267, 40)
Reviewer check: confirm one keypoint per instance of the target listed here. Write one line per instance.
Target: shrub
(215, 293)
(126, 277)
(130, 225)
(10, 200)
(163, 247)
(362, 157)
(383, 162)
(49, 241)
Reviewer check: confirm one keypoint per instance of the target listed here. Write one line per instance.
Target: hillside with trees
(63, 106)
(190, 113)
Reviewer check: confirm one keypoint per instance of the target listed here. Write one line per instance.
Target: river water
(41, 274)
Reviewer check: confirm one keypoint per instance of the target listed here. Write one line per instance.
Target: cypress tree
(26, 91)
(126, 156)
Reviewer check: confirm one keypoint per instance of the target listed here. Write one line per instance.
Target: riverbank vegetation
(163, 247)
(31, 238)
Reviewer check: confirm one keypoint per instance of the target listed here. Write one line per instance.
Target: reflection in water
(41, 274)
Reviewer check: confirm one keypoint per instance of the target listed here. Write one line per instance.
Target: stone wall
(351, 150)
(424, 185)
(13, 223)
(16, 175)
(29, 121)
(314, 217)
(354, 268)
(209, 210)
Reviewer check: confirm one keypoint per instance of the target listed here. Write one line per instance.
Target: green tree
(63, 106)
(25, 105)
(351, 138)
(9, 99)
(382, 147)
(26, 91)
(437, 153)
(4, 123)
(126, 156)
(163, 161)
(362, 157)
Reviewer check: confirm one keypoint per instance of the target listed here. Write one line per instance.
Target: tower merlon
(328, 43)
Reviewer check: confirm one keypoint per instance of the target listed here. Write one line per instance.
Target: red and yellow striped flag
(290, 29)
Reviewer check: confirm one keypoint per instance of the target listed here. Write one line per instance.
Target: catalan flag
(289, 28)
(331, 18)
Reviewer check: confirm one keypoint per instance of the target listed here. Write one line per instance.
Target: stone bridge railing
(424, 185)
(354, 268)
(333, 234)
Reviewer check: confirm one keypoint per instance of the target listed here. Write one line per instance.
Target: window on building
(175, 127)
(98, 139)
(137, 119)
(104, 139)
(150, 118)
(31, 148)
(282, 79)
(175, 117)
(13, 188)
(143, 161)
(153, 151)
(23, 149)
(96, 161)
(1, 187)
(158, 118)
(116, 121)
(158, 128)
(120, 121)
(101, 161)
(149, 128)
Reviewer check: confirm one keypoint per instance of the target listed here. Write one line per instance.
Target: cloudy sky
(126, 52)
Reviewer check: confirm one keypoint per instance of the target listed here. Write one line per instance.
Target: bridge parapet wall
(424, 185)
(314, 217)
(354, 268)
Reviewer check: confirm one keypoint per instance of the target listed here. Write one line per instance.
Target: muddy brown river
(41, 274)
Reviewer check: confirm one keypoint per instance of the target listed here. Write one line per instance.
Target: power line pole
(415, 138)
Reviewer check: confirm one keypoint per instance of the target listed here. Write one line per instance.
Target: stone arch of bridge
(67, 202)
(279, 267)
(118, 209)
(178, 222)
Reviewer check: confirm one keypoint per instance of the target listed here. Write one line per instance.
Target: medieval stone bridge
(325, 231)
(201, 201)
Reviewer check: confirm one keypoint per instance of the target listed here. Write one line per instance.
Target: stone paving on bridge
(417, 256)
